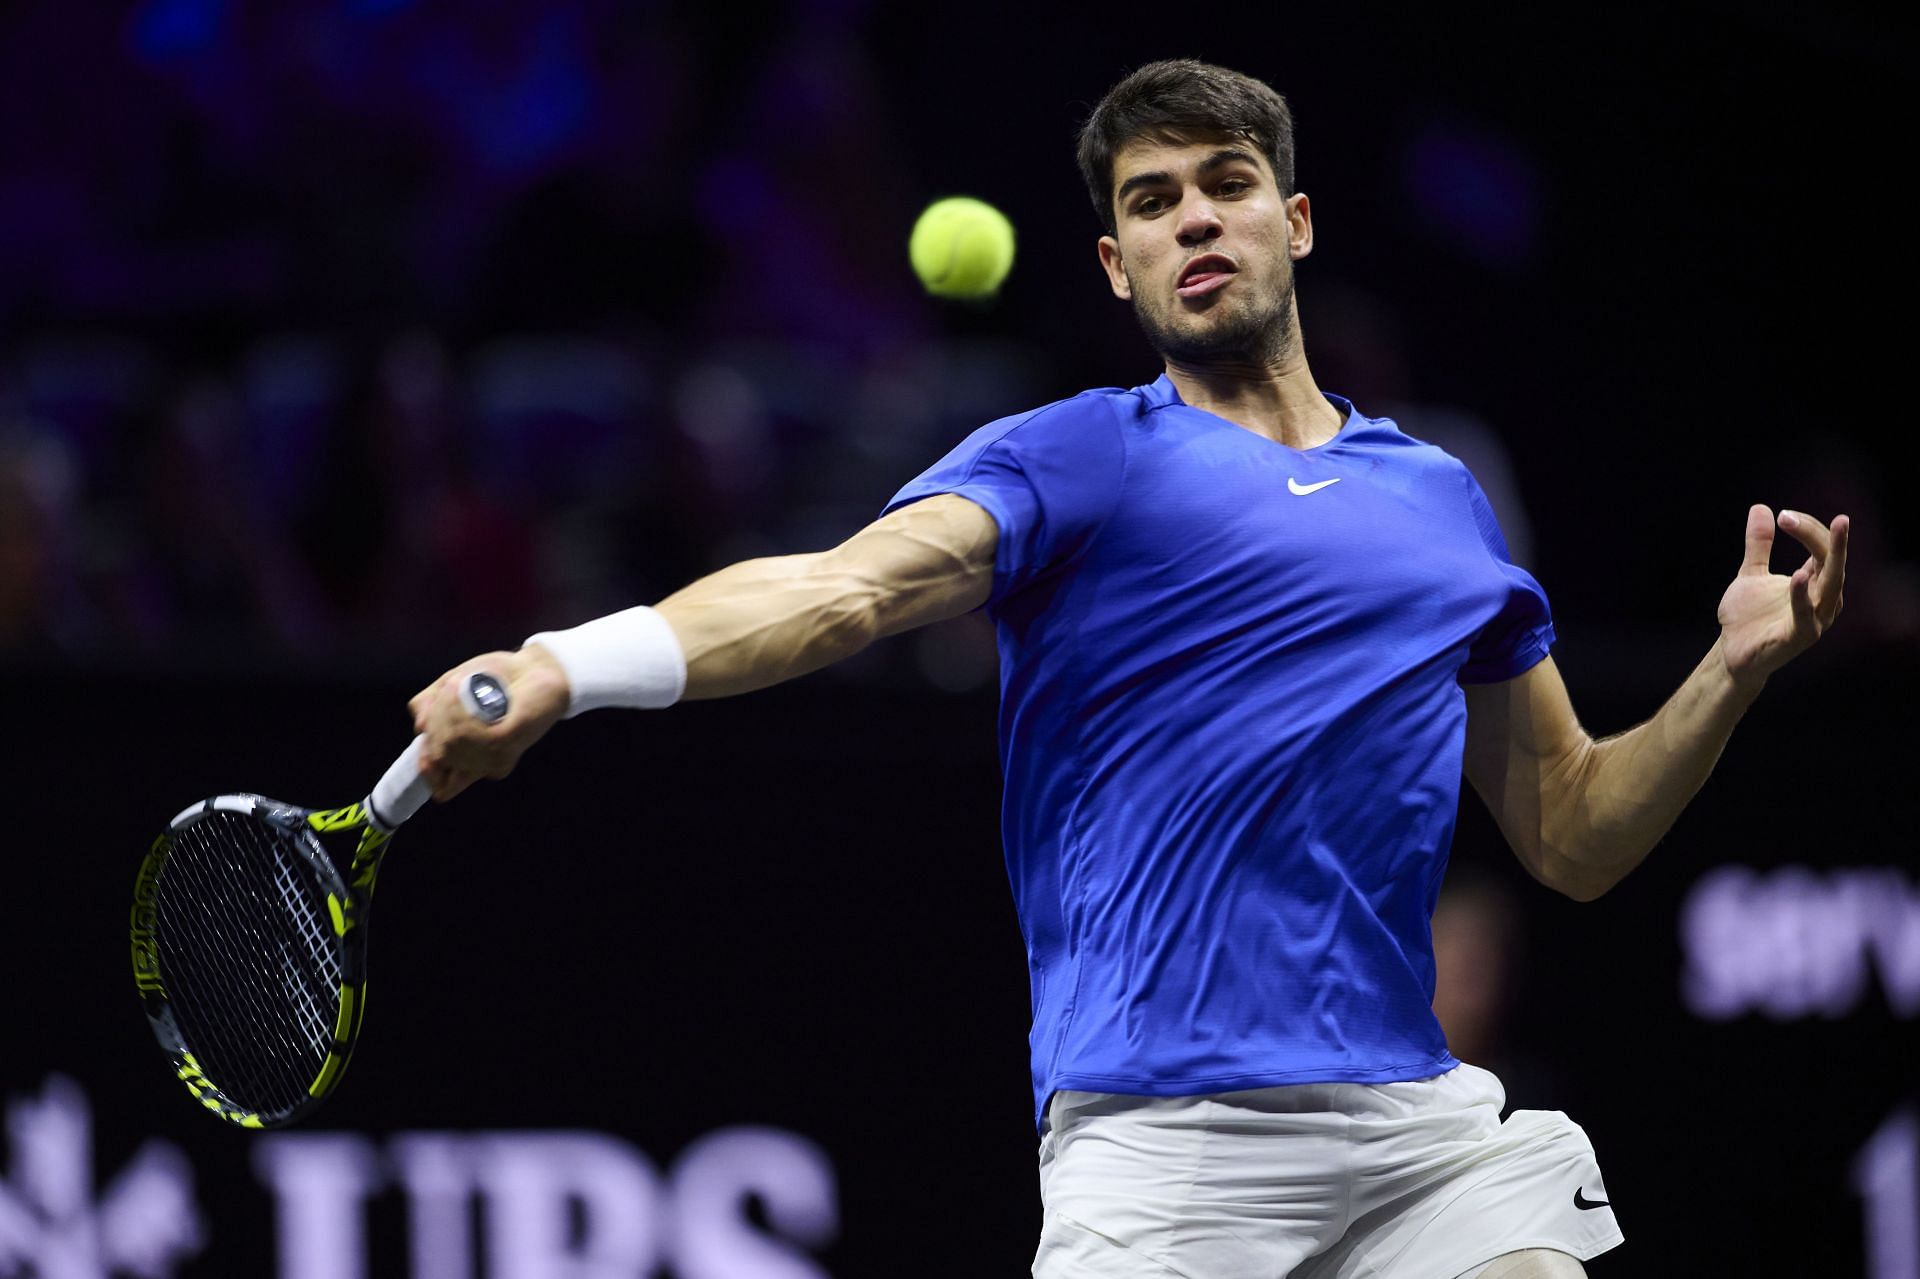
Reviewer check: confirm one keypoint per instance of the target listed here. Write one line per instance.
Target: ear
(1116, 268)
(1299, 226)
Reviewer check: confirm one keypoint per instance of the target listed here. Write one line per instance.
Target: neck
(1276, 398)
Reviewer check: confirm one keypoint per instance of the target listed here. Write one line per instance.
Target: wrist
(631, 658)
(1740, 687)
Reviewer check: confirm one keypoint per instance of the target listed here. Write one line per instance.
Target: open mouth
(1205, 274)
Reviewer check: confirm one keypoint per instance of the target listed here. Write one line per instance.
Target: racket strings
(317, 1005)
(248, 957)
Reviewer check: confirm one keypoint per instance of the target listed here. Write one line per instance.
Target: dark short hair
(1172, 101)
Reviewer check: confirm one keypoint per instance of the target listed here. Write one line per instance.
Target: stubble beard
(1255, 336)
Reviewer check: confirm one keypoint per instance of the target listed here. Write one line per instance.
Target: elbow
(1589, 880)
(1583, 881)
(1572, 858)
(1584, 889)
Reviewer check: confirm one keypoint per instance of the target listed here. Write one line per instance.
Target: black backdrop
(789, 910)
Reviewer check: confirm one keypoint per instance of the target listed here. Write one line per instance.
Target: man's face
(1205, 248)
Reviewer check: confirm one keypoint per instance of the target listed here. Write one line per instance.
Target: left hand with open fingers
(460, 748)
(1768, 618)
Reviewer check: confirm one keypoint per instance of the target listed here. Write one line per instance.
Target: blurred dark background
(340, 339)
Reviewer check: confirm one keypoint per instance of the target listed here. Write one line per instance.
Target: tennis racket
(250, 946)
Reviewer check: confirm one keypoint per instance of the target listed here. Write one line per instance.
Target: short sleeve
(1521, 632)
(1049, 478)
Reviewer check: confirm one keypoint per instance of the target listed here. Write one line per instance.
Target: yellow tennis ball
(962, 248)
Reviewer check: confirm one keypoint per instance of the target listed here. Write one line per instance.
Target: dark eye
(1147, 205)
(1234, 186)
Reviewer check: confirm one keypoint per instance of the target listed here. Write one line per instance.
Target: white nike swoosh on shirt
(1298, 489)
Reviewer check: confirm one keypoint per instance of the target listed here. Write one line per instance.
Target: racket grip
(401, 791)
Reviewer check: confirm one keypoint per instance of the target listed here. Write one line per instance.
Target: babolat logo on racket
(146, 959)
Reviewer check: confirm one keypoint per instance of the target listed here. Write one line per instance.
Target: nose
(1199, 223)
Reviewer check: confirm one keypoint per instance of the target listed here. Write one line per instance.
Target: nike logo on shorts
(1585, 1204)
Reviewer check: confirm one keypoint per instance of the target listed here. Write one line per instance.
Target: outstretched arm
(764, 621)
(1581, 814)
(745, 627)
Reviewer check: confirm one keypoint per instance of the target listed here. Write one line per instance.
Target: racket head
(249, 953)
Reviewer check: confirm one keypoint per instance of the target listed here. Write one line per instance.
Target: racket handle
(401, 791)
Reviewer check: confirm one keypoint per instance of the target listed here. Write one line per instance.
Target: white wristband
(629, 658)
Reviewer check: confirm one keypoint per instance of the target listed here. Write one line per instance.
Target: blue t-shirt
(1231, 725)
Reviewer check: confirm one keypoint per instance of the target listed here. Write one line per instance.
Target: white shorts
(1416, 1180)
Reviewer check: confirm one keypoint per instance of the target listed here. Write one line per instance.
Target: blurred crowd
(366, 325)
(317, 497)
(359, 324)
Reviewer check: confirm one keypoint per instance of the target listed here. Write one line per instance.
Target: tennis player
(1250, 638)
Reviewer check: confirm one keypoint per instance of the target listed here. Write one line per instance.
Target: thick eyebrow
(1226, 155)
